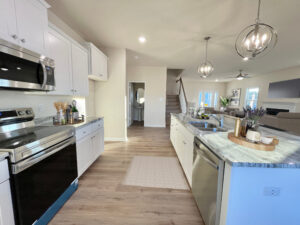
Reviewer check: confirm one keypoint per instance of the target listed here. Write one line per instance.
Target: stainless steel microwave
(24, 69)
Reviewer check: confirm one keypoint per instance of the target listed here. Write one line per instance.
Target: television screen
(285, 89)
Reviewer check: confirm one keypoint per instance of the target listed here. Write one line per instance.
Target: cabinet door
(103, 73)
(32, 23)
(6, 208)
(59, 49)
(84, 152)
(98, 143)
(80, 71)
(8, 22)
(95, 61)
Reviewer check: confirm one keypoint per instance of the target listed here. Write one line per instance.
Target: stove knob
(28, 112)
(21, 113)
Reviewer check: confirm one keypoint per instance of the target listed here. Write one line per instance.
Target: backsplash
(41, 103)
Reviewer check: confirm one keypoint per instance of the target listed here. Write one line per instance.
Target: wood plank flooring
(101, 199)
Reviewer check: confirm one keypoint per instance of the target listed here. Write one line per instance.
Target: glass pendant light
(256, 39)
(206, 68)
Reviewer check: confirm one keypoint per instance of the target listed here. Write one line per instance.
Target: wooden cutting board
(257, 146)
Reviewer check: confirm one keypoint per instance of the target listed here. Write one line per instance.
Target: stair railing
(182, 96)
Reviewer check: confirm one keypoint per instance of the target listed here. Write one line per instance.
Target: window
(207, 99)
(216, 99)
(200, 98)
(251, 97)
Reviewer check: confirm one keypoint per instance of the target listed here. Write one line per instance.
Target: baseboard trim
(147, 125)
(115, 139)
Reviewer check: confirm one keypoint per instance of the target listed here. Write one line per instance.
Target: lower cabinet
(183, 142)
(6, 208)
(89, 144)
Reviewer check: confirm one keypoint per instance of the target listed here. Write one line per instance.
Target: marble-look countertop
(88, 120)
(3, 155)
(286, 154)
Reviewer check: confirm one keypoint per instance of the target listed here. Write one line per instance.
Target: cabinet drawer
(4, 174)
(83, 131)
(97, 125)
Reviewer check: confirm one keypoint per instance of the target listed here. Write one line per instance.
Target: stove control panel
(16, 114)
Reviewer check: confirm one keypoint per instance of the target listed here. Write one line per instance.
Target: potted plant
(252, 116)
(224, 103)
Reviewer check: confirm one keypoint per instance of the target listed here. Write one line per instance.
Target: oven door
(22, 69)
(39, 181)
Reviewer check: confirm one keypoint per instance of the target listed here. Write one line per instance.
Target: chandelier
(256, 39)
(206, 68)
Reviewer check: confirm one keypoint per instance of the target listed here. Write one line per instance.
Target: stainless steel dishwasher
(207, 182)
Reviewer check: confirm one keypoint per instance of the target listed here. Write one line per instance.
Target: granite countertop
(286, 154)
(3, 155)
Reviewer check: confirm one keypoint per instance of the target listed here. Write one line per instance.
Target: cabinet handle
(23, 40)
(14, 36)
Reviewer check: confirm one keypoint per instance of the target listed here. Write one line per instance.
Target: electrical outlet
(272, 191)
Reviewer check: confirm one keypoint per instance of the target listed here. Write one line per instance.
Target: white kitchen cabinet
(71, 64)
(183, 142)
(8, 23)
(59, 49)
(97, 63)
(89, 144)
(6, 207)
(80, 71)
(32, 23)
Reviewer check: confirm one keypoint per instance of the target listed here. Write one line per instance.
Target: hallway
(102, 199)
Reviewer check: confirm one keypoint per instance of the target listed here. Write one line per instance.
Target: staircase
(173, 106)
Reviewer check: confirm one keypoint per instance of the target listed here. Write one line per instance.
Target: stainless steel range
(43, 165)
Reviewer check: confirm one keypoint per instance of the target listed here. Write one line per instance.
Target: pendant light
(256, 39)
(206, 68)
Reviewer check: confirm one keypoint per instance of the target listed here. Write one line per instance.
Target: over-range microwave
(23, 69)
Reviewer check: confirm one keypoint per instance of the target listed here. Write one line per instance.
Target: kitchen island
(254, 187)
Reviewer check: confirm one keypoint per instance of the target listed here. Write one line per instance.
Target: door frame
(128, 100)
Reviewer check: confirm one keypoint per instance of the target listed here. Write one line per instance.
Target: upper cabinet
(60, 49)
(25, 23)
(71, 64)
(80, 71)
(97, 64)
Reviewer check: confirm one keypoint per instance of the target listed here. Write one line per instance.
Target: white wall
(155, 79)
(194, 86)
(110, 100)
(262, 82)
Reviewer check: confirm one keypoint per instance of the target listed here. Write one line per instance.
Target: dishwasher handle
(210, 162)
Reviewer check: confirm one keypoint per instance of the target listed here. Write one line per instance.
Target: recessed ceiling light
(246, 59)
(142, 39)
(217, 80)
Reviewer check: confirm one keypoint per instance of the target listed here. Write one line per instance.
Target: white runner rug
(155, 172)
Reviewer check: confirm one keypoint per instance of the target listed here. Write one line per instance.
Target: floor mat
(155, 172)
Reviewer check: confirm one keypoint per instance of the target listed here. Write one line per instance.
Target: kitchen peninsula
(260, 186)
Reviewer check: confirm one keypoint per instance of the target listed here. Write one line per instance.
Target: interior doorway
(136, 103)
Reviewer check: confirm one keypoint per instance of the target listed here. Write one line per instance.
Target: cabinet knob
(14, 36)
(23, 40)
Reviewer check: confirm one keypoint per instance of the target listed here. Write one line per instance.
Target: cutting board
(257, 146)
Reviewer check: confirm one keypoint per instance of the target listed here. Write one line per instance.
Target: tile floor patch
(156, 172)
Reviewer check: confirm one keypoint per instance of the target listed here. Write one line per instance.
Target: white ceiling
(175, 30)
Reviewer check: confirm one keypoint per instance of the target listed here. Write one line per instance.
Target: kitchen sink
(210, 127)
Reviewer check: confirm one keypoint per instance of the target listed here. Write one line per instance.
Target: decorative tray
(254, 145)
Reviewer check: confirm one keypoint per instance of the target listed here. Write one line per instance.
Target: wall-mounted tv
(285, 89)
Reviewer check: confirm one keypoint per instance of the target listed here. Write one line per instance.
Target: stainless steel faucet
(220, 119)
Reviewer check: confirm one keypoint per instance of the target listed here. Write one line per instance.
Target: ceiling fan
(241, 76)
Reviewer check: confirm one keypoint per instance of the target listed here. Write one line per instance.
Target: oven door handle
(19, 167)
(45, 75)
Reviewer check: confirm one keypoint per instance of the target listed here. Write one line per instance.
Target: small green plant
(224, 101)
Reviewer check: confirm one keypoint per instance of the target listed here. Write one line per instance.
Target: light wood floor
(101, 198)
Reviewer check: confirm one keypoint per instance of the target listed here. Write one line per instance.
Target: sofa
(287, 121)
